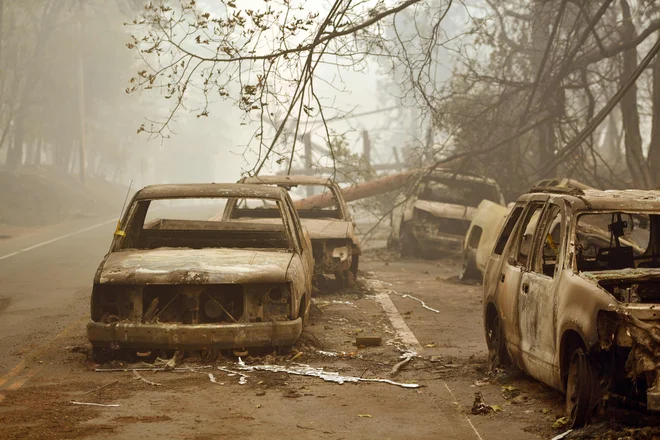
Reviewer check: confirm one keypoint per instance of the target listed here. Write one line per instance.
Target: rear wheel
(409, 247)
(579, 389)
(497, 356)
(470, 270)
(345, 279)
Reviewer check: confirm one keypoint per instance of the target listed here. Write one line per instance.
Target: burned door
(514, 265)
(536, 304)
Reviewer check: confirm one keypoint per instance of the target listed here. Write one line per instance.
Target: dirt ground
(50, 369)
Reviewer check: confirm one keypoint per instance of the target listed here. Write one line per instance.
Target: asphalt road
(45, 283)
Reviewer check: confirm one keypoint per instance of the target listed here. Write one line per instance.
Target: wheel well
(570, 340)
(491, 314)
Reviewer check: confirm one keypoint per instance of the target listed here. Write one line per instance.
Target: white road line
(57, 239)
(382, 297)
(465, 415)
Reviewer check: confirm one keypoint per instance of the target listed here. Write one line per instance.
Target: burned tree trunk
(654, 146)
(635, 160)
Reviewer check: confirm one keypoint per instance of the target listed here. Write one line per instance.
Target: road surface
(44, 304)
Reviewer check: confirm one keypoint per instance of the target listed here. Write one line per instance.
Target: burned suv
(176, 279)
(572, 295)
(436, 215)
(336, 248)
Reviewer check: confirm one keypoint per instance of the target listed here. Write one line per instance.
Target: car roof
(452, 175)
(208, 190)
(627, 199)
(296, 180)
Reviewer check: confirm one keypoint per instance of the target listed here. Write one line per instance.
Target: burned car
(436, 215)
(484, 228)
(572, 295)
(331, 228)
(175, 279)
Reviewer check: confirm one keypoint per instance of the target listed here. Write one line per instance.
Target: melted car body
(435, 216)
(572, 295)
(331, 229)
(202, 284)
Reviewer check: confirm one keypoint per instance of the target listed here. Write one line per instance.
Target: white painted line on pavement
(57, 239)
(465, 415)
(383, 298)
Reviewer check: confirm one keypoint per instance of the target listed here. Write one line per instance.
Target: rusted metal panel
(195, 266)
(194, 190)
(194, 337)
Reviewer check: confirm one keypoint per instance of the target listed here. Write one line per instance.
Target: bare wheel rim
(494, 343)
(579, 388)
(573, 388)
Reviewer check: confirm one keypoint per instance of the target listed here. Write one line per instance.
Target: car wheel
(497, 356)
(579, 389)
(354, 266)
(102, 355)
(409, 247)
(470, 271)
(345, 279)
(304, 306)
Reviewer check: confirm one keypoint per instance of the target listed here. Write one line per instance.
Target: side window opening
(475, 237)
(526, 237)
(507, 230)
(547, 253)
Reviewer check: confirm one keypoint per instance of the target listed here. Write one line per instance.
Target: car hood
(320, 229)
(446, 210)
(639, 274)
(195, 266)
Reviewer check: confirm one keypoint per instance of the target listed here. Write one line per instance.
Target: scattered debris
(480, 383)
(431, 345)
(560, 423)
(341, 354)
(368, 341)
(117, 370)
(328, 376)
(562, 435)
(94, 404)
(520, 399)
(138, 376)
(407, 295)
(510, 392)
(102, 386)
(406, 357)
(480, 407)
(243, 377)
(213, 379)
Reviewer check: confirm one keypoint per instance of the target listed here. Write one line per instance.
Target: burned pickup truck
(176, 280)
(331, 229)
(435, 216)
(572, 295)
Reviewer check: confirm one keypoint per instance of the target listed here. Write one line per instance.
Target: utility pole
(307, 142)
(81, 90)
(366, 147)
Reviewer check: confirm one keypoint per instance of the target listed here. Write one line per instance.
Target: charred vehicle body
(436, 215)
(171, 283)
(330, 227)
(572, 295)
(485, 227)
